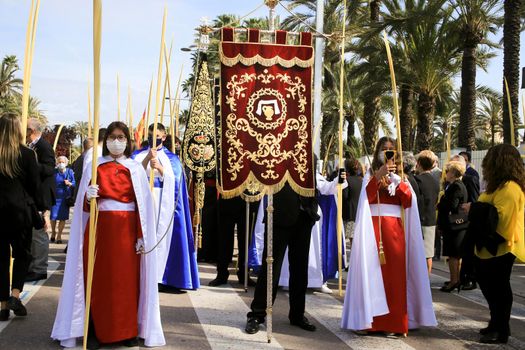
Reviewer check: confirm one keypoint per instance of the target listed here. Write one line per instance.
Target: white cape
(365, 293)
(69, 321)
(164, 209)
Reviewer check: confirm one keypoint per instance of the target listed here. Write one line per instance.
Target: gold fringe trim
(305, 192)
(266, 62)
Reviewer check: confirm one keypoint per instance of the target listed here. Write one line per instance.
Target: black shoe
(304, 324)
(218, 282)
(485, 330)
(469, 285)
(59, 241)
(450, 287)
(170, 290)
(252, 325)
(16, 305)
(131, 342)
(494, 337)
(35, 276)
(4, 314)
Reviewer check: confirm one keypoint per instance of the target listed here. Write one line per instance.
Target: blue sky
(62, 62)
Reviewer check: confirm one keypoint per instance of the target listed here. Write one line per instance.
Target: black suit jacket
(471, 181)
(46, 168)
(455, 195)
(429, 193)
(351, 197)
(288, 204)
(17, 195)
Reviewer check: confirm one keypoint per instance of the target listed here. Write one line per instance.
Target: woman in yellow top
(504, 174)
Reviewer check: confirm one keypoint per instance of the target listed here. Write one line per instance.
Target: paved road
(214, 318)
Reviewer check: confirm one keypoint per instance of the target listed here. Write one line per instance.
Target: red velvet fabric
(268, 146)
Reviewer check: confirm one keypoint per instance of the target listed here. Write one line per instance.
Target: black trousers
(493, 276)
(467, 272)
(231, 212)
(297, 239)
(209, 250)
(20, 242)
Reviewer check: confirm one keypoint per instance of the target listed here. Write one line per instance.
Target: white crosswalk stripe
(222, 314)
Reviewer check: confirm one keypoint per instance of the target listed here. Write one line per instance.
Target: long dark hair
(10, 143)
(376, 162)
(122, 127)
(503, 163)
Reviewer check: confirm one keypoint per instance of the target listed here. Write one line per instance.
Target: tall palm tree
(81, 130)
(489, 115)
(511, 62)
(476, 19)
(9, 84)
(305, 12)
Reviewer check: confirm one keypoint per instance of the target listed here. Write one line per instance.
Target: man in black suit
(45, 197)
(293, 218)
(471, 181)
(231, 212)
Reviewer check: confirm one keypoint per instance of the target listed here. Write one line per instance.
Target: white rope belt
(392, 210)
(113, 205)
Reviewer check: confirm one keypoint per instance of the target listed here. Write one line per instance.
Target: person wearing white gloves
(388, 289)
(124, 299)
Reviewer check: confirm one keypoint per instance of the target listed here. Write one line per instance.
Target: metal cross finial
(271, 3)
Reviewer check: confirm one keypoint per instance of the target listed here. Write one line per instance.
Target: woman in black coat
(19, 181)
(455, 195)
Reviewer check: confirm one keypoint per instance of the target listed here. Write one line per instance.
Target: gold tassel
(382, 259)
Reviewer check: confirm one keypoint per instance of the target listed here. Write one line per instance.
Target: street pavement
(214, 318)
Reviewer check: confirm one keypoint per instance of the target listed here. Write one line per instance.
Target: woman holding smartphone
(387, 234)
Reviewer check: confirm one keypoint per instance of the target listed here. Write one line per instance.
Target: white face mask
(61, 166)
(116, 147)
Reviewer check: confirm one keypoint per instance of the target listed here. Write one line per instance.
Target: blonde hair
(10, 142)
(458, 167)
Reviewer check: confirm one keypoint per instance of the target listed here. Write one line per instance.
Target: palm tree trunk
(372, 101)
(406, 115)
(425, 118)
(374, 10)
(511, 62)
(467, 112)
(492, 132)
(370, 122)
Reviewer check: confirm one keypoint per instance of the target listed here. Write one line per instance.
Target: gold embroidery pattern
(269, 152)
(251, 104)
(199, 138)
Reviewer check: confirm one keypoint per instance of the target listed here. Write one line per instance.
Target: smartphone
(390, 156)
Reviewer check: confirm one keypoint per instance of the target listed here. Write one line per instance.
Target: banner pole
(269, 264)
(246, 245)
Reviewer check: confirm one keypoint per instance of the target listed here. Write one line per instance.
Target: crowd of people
(398, 215)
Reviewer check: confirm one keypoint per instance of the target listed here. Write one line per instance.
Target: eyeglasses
(121, 138)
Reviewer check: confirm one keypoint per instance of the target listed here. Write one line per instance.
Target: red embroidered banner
(266, 124)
